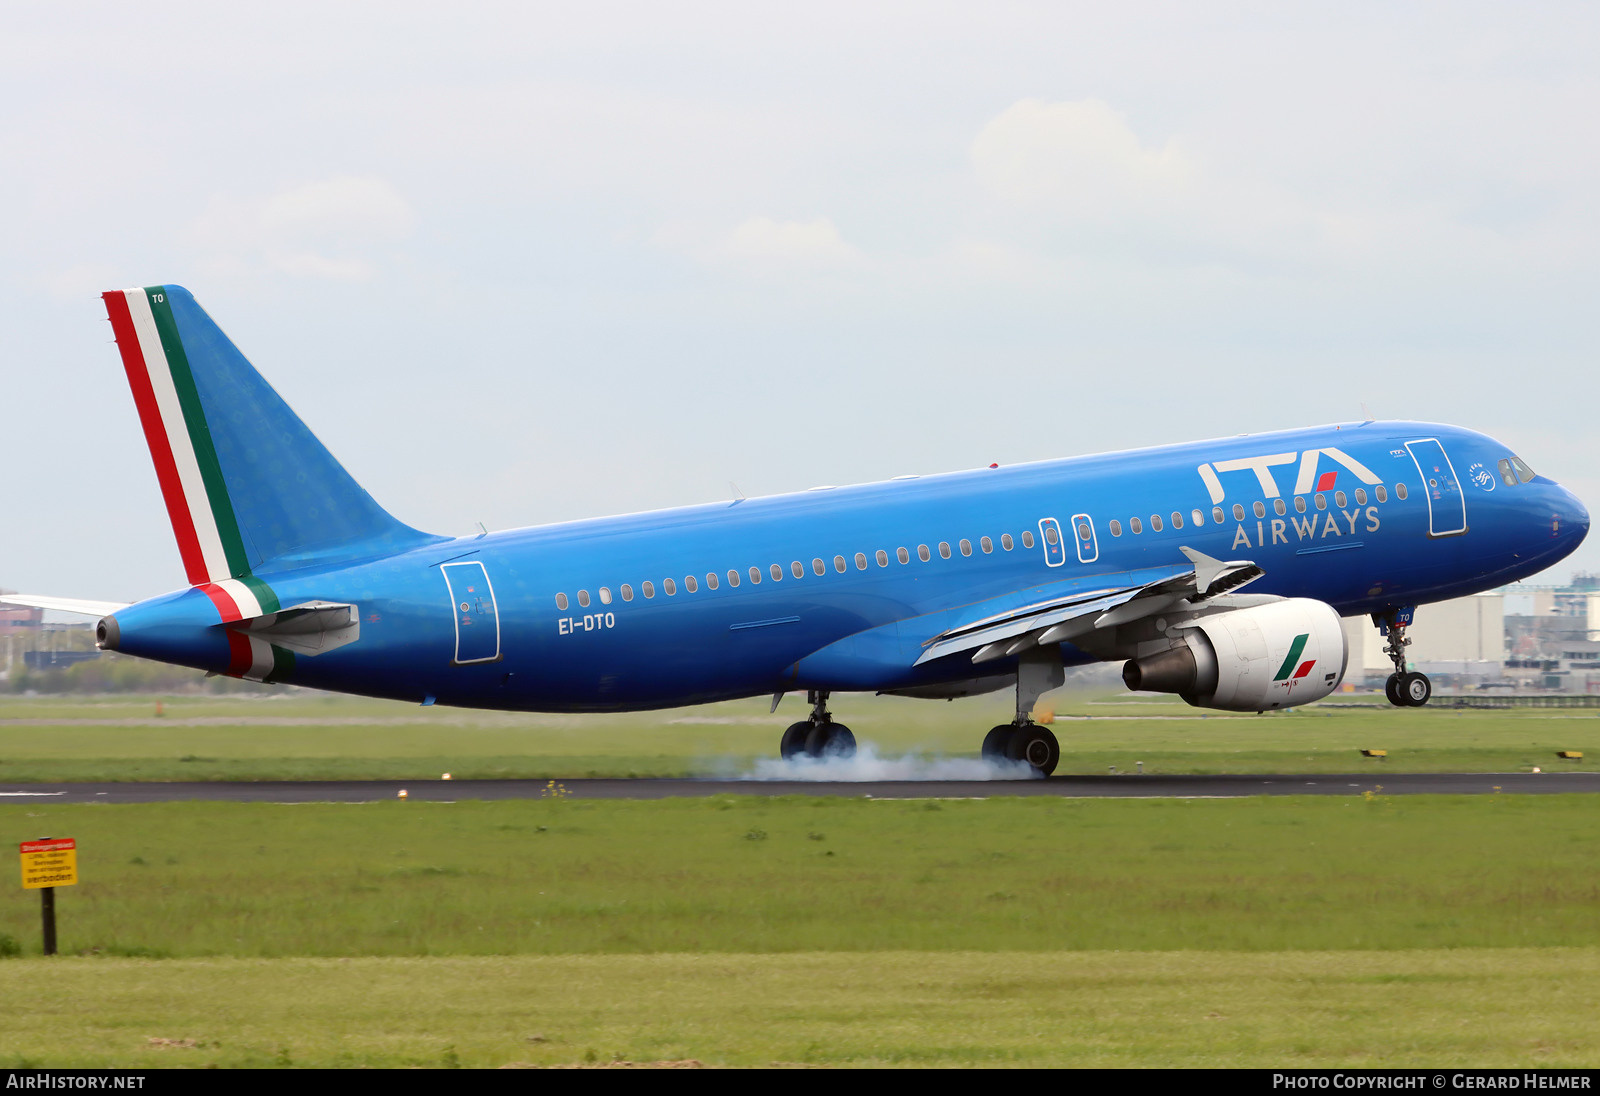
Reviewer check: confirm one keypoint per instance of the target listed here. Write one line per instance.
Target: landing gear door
(1447, 507)
(476, 614)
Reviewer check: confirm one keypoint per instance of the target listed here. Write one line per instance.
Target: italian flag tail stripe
(256, 659)
(1295, 648)
(193, 423)
(187, 469)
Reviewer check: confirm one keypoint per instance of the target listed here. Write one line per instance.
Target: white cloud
(1079, 155)
(814, 243)
(340, 228)
(1078, 173)
(764, 246)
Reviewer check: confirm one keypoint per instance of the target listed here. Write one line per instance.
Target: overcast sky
(524, 263)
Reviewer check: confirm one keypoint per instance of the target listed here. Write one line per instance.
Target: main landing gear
(818, 736)
(1038, 671)
(1404, 688)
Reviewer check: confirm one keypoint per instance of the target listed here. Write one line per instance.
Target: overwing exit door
(1447, 507)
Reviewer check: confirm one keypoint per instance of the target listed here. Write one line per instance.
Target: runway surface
(1114, 787)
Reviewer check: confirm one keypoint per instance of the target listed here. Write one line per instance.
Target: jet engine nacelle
(1250, 660)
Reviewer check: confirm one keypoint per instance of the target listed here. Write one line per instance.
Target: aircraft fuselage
(643, 611)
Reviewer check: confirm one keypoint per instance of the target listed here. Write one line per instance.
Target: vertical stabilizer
(248, 487)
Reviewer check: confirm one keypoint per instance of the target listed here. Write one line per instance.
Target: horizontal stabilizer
(64, 604)
(310, 628)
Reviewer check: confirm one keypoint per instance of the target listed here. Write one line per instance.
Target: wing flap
(1061, 619)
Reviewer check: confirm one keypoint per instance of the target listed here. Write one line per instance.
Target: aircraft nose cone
(1573, 517)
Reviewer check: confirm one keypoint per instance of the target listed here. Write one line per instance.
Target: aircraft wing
(64, 604)
(1072, 615)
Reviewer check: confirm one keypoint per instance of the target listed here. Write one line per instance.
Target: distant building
(1459, 644)
(14, 618)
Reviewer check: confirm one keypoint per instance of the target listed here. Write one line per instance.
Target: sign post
(49, 863)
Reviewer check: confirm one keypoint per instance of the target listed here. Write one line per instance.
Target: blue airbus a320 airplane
(932, 586)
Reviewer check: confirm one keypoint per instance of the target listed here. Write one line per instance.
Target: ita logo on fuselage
(1316, 471)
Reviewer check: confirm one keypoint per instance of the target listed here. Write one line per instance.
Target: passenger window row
(1197, 517)
(1509, 472)
(691, 583)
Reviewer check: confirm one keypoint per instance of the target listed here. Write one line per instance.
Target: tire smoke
(868, 765)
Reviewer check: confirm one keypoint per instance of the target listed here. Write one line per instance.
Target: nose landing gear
(819, 736)
(1404, 688)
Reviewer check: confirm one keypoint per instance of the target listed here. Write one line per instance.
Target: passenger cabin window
(1027, 539)
(755, 576)
(839, 564)
(1261, 509)
(583, 599)
(987, 545)
(1177, 520)
(1238, 511)
(711, 580)
(1300, 504)
(1051, 536)
(1279, 507)
(902, 555)
(861, 561)
(627, 592)
(1218, 516)
(1400, 491)
(1339, 500)
(798, 570)
(605, 596)
(1383, 495)
(883, 558)
(1116, 527)
(1155, 523)
(966, 547)
(944, 550)
(1199, 517)
(671, 588)
(777, 573)
(561, 602)
(648, 589)
(923, 554)
(1006, 542)
(1134, 524)
(733, 579)
(1361, 496)
(1322, 500)
(817, 568)
(688, 584)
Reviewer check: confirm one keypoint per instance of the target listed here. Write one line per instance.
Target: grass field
(736, 931)
(299, 736)
(1416, 931)
(757, 874)
(1457, 1008)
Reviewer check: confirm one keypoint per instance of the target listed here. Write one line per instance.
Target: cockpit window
(1524, 473)
(1507, 476)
